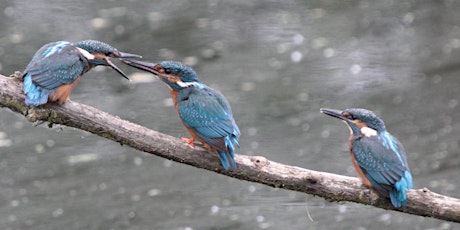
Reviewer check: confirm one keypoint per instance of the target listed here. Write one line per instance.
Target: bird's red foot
(189, 141)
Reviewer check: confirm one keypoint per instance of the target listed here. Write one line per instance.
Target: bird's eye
(348, 115)
(167, 71)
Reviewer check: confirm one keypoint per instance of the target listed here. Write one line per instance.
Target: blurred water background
(278, 63)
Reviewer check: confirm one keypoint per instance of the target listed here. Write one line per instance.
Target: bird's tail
(35, 95)
(398, 194)
(227, 157)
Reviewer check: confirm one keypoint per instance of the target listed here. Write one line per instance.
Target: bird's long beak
(142, 65)
(128, 55)
(114, 67)
(334, 113)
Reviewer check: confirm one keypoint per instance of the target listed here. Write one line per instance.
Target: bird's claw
(189, 141)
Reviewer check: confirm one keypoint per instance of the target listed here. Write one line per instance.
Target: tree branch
(257, 169)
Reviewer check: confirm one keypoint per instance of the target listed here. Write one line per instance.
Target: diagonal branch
(257, 169)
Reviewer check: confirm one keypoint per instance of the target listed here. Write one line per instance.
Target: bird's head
(177, 75)
(100, 53)
(360, 121)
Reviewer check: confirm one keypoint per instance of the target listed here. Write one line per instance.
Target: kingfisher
(378, 157)
(56, 68)
(205, 112)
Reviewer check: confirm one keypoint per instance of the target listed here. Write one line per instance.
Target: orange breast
(358, 169)
(174, 95)
(360, 172)
(63, 92)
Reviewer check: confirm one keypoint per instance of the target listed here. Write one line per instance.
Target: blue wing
(55, 64)
(208, 114)
(383, 161)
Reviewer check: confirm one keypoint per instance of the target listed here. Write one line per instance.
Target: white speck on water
(342, 208)
(296, 56)
(264, 225)
(137, 161)
(214, 209)
(154, 16)
(154, 192)
(39, 148)
(455, 43)
(283, 48)
(58, 212)
(234, 217)
(325, 133)
(131, 215)
(275, 63)
(252, 188)
(16, 38)
(298, 39)
(226, 202)
(385, 218)
(247, 86)
(208, 53)
(82, 158)
(141, 77)
(14, 203)
(408, 18)
(302, 96)
(202, 22)
(252, 131)
(436, 79)
(167, 163)
(254, 145)
(12, 218)
(306, 127)
(50, 143)
(6, 143)
(167, 53)
(10, 11)
(328, 52)
(102, 186)
(355, 69)
(190, 61)
(168, 102)
(187, 212)
(98, 23)
(119, 29)
(135, 197)
(188, 228)
(397, 100)
(318, 43)
(318, 13)
(452, 103)
(260, 219)
(18, 125)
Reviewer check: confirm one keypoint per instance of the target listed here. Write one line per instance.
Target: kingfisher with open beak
(56, 68)
(378, 157)
(205, 112)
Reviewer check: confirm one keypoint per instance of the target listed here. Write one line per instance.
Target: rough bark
(257, 169)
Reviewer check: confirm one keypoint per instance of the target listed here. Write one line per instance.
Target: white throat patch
(86, 54)
(186, 84)
(368, 132)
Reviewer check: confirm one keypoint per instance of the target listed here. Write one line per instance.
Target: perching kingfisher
(377, 156)
(205, 112)
(56, 68)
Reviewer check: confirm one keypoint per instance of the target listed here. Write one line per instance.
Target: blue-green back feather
(208, 114)
(383, 162)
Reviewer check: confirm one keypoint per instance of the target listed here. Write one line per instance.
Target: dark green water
(278, 63)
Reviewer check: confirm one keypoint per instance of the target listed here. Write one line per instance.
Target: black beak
(128, 55)
(334, 113)
(142, 65)
(114, 67)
